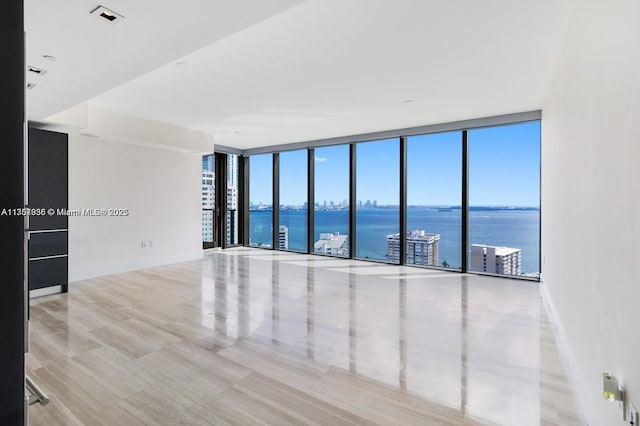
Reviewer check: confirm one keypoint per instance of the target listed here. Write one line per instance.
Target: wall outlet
(633, 415)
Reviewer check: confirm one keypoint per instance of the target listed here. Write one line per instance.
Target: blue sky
(504, 168)
(377, 171)
(260, 179)
(504, 165)
(434, 169)
(293, 177)
(332, 173)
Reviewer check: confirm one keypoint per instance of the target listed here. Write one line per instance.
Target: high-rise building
(283, 237)
(232, 199)
(335, 244)
(208, 190)
(232, 207)
(496, 260)
(421, 248)
(207, 163)
(207, 226)
(232, 171)
(208, 203)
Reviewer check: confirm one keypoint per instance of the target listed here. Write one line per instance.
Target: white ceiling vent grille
(107, 15)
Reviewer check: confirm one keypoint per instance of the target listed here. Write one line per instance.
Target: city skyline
(361, 204)
(504, 164)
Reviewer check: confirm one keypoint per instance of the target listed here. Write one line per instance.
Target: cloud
(321, 159)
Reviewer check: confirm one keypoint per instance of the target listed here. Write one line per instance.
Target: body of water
(509, 228)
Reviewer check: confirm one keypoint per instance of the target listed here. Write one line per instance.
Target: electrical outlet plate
(633, 415)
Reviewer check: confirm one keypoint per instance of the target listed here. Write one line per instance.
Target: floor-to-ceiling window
(208, 200)
(504, 199)
(378, 200)
(261, 200)
(331, 210)
(472, 198)
(292, 232)
(434, 193)
(233, 202)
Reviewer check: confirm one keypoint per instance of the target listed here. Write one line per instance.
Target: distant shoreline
(387, 207)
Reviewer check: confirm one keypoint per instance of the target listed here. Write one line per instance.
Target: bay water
(516, 228)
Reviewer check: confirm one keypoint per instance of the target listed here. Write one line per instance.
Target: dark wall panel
(48, 272)
(12, 87)
(48, 244)
(48, 191)
(48, 177)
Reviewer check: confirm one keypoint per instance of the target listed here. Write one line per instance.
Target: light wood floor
(250, 336)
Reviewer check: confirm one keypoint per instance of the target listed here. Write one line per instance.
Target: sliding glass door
(233, 200)
(220, 200)
(210, 231)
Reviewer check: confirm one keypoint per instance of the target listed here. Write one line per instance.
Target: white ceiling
(319, 69)
(93, 56)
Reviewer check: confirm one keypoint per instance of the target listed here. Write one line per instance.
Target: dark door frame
(220, 202)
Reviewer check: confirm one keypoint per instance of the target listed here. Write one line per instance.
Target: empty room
(320, 212)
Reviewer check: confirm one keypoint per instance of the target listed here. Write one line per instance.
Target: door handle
(36, 393)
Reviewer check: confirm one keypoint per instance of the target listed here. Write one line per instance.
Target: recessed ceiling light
(407, 101)
(36, 70)
(107, 15)
(49, 58)
(30, 86)
(237, 132)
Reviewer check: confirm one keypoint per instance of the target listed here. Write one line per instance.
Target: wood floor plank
(249, 336)
(304, 407)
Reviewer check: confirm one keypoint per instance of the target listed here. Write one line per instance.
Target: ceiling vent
(107, 15)
(36, 70)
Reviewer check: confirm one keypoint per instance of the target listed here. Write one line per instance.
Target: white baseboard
(85, 274)
(47, 291)
(585, 401)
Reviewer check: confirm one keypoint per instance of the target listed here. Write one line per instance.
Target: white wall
(160, 187)
(591, 199)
